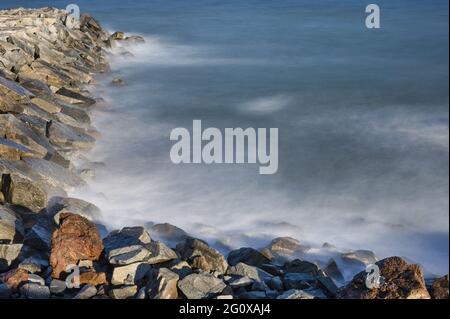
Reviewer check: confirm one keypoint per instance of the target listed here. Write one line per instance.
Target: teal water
(362, 117)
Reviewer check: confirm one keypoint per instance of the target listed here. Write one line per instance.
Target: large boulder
(251, 272)
(201, 286)
(287, 246)
(248, 256)
(201, 256)
(76, 239)
(162, 284)
(399, 280)
(60, 205)
(439, 288)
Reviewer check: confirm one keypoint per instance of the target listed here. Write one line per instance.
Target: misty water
(362, 117)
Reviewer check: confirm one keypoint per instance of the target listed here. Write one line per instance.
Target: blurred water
(362, 117)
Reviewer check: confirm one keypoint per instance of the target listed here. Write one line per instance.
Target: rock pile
(51, 246)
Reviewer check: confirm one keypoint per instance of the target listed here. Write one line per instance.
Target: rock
(298, 280)
(73, 97)
(57, 287)
(251, 272)
(248, 256)
(117, 82)
(439, 288)
(276, 284)
(128, 236)
(118, 35)
(130, 274)
(35, 291)
(332, 270)
(201, 286)
(48, 106)
(301, 266)
(162, 284)
(199, 255)
(34, 264)
(134, 39)
(253, 295)
(8, 254)
(59, 205)
(14, 278)
(40, 235)
(76, 239)
(359, 258)
(168, 232)
(272, 269)
(286, 246)
(125, 292)
(66, 136)
(128, 255)
(241, 282)
(10, 150)
(33, 278)
(14, 90)
(328, 285)
(11, 226)
(93, 278)
(296, 294)
(86, 292)
(182, 269)
(159, 253)
(400, 281)
(5, 292)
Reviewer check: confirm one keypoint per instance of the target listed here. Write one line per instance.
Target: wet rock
(201, 286)
(75, 239)
(35, 291)
(162, 284)
(59, 205)
(332, 270)
(168, 232)
(301, 266)
(86, 292)
(134, 39)
(359, 258)
(73, 97)
(299, 280)
(328, 286)
(118, 35)
(439, 288)
(400, 281)
(200, 256)
(251, 272)
(248, 256)
(125, 292)
(117, 82)
(286, 246)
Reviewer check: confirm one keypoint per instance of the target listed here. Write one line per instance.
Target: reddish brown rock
(439, 288)
(93, 278)
(76, 239)
(400, 280)
(14, 278)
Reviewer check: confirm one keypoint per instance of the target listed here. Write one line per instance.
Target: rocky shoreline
(51, 245)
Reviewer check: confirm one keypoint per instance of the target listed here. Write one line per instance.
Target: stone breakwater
(45, 107)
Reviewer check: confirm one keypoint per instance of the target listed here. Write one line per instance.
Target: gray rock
(57, 286)
(168, 232)
(276, 284)
(86, 292)
(298, 280)
(182, 269)
(159, 253)
(11, 225)
(251, 272)
(128, 236)
(301, 266)
(248, 256)
(296, 294)
(65, 136)
(328, 285)
(253, 295)
(59, 205)
(240, 282)
(40, 235)
(201, 256)
(201, 286)
(35, 291)
(125, 292)
(130, 274)
(162, 284)
(33, 278)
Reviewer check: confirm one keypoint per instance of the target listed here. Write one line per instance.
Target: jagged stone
(162, 284)
(201, 286)
(8, 254)
(11, 226)
(251, 272)
(248, 256)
